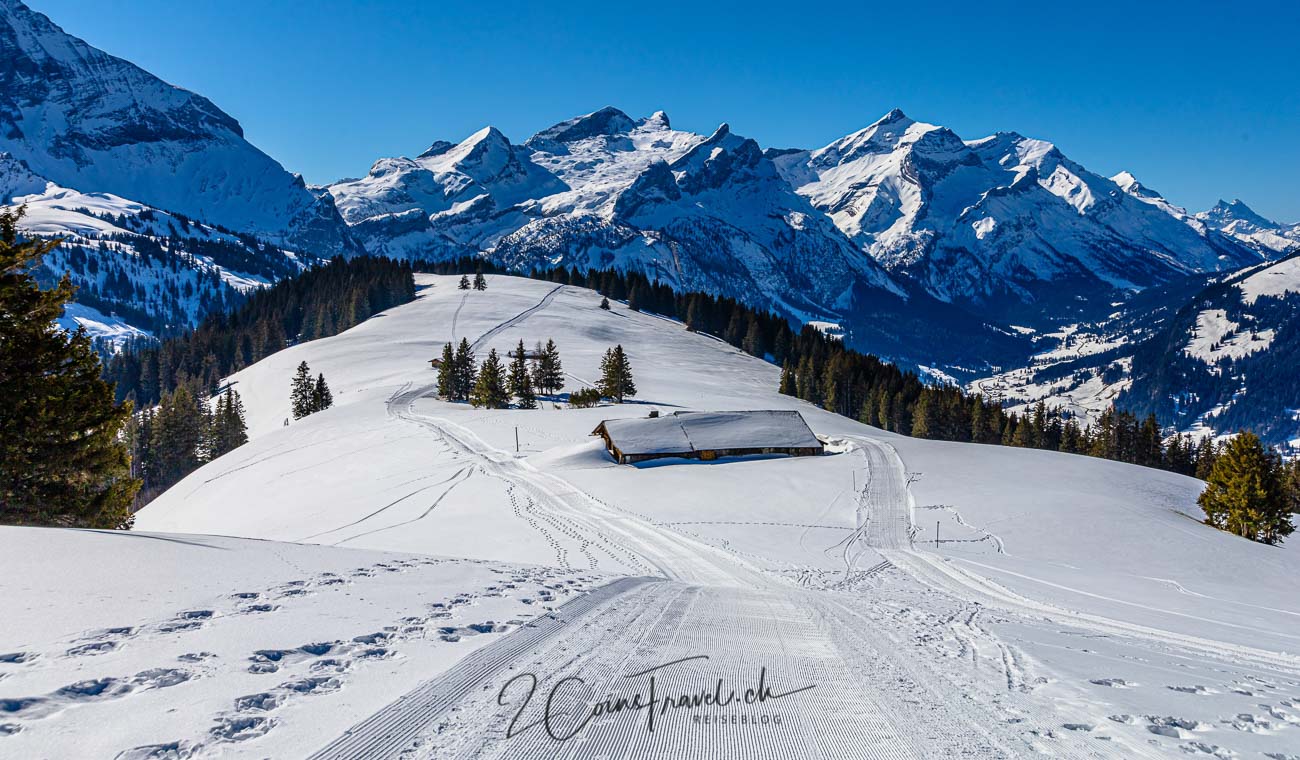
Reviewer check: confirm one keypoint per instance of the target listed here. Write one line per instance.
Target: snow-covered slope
(1087, 586)
(85, 119)
(1003, 215)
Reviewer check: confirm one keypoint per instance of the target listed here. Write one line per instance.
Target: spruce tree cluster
(182, 433)
(62, 461)
(480, 282)
(456, 373)
(308, 396)
(548, 370)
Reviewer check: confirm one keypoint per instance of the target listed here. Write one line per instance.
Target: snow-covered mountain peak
(606, 121)
(657, 120)
(1239, 221)
(1126, 181)
(1225, 213)
(487, 149)
(885, 135)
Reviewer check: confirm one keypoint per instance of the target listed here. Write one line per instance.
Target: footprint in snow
(1114, 683)
(177, 750)
(239, 728)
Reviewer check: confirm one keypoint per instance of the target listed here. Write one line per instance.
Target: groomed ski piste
(367, 581)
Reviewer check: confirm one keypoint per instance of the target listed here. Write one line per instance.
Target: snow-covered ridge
(604, 189)
(972, 219)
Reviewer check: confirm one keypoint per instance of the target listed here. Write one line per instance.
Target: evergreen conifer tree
(1245, 495)
(752, 343)
(229, 430)
(1205, 455)
(447, 373)
(464, 370)
(62, 461)
(490, 386)
(321, 398)
(520, 380)
(921, 422)
(464, 282)
(301, 390)
(480, 282)
(787, 386)
(616, 375)
(179, 430)
(548, 373)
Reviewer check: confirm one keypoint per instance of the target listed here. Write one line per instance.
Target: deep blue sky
(1199, 100)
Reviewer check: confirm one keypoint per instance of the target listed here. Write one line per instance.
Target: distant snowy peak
(607, 121)
(483, 168)
(88, 120)
(1225, 213)
(1003, 215)
(1130, 184)
(1240, 221)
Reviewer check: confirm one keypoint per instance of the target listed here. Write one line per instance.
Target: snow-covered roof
(687, 432)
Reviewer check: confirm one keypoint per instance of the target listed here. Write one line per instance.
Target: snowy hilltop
(1005, 215)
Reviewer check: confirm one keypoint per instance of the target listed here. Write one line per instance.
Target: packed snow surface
(941, 599)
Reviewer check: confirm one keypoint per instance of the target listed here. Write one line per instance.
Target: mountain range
(964, 258)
